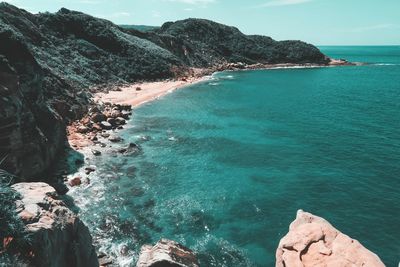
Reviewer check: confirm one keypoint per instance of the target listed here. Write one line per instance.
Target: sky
(321, 22)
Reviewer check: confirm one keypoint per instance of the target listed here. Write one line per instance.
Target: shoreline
(136, 94)
(152, 90)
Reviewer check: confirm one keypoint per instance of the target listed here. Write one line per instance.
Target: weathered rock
(97, 127)
(98, 117)
(75, 181)
(105, 135)
(112, 121)
(32, 133)
(312, 241)
(115, 139)
(120, 121)
(105, 125)
(166, 253)
(58, 236)
(89, 169)
(82, 129)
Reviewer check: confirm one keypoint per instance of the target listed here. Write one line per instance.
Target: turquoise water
(225, 164)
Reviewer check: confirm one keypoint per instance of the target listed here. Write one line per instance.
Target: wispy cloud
(382, 26)
(284, 3)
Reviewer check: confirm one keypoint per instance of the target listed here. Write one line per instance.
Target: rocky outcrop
(57, 236)
(312, 241)
(166, 253)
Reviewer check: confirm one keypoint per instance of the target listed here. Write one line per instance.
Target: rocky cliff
(312, 241)
(57, 237)
(50, 64)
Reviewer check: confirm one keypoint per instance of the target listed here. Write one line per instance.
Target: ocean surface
(226, 163)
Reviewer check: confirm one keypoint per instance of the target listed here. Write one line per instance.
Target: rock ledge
(312, 241)
(166, 253)
(58, 236)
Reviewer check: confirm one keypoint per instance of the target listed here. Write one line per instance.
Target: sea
(225, 164)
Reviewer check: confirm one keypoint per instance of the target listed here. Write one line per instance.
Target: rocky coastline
(51, 66)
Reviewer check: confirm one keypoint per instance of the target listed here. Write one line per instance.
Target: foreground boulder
(58, 237)
(166, 253)
(312, 241)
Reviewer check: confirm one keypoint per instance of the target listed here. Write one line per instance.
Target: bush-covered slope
(201, 42)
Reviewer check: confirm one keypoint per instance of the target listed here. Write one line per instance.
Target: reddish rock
(312, 241)
(57, 237)
(82, 129)
(97, 127)
(75, 181)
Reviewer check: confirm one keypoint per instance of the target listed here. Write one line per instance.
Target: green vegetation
(10, 224)
(142, 28)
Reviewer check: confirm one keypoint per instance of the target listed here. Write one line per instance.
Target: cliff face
(50, 64)
(312, 241)
(57, 236)
(31, 132)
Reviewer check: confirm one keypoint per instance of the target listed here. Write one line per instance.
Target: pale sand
(129, 95)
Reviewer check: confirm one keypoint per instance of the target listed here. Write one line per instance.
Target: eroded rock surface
(58, 237)
(312, 241)
(167, 253)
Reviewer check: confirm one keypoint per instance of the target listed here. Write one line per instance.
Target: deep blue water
(229, 161)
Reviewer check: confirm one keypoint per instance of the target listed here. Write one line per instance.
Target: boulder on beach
(120, 121)
(312, 241)
(98, 117)
(82, 129)
(105, 125)
(57, 236)
(166, 253)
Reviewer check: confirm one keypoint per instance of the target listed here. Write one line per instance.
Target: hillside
(51, 63)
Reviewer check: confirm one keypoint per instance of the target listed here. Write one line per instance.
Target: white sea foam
(386, 64)
(214, 84)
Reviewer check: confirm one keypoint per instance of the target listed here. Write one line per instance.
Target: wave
(386, 64)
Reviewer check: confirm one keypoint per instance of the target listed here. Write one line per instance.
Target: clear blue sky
(321, 22)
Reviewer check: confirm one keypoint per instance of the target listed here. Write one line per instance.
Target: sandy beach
(139, 93)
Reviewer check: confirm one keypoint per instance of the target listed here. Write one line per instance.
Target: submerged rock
(166, 253)
(96, 152)
(312, 241)
(58, 237)
(115, 139)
